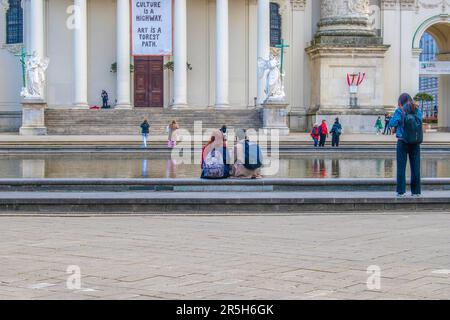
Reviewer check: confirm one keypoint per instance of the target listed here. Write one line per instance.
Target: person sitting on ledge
(247, 158)
(214, 158)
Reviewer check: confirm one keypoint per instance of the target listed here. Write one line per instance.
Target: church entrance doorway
(148, 82)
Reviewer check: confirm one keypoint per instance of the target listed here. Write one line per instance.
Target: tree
(423, 97)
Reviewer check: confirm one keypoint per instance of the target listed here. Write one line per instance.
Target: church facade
(343, 58)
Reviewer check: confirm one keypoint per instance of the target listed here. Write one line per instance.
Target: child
(315, 134)
(379, 126)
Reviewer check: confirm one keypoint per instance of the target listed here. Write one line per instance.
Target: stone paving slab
(233, 257)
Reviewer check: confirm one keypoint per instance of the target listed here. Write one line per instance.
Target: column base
(124, 107)
(179, 106)
(80, 106)
(222, 106)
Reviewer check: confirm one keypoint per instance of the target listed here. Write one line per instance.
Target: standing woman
(145, 130)
(407, 121)
(173, 136)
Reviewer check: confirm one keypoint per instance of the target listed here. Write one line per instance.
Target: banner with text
(151, 27)
(434, 68)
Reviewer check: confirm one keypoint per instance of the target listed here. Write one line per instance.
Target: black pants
(323, 138)
(403, 151)
(335, 140)
(387, 129)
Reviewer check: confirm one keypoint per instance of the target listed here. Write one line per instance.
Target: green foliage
(423, 97)
(114, 68)
(169, 66)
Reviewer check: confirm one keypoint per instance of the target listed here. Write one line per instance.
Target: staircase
(127, 122)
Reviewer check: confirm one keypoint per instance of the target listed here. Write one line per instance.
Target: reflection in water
(335, 169)
(171, 171)
(145, 168)
(158, 166)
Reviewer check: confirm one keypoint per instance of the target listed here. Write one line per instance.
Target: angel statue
(35, 77)
(270, 70)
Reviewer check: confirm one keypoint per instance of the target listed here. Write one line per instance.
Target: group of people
(406, 123)
(171, 131)
(217, 164)
(320, 134)
(379, 125)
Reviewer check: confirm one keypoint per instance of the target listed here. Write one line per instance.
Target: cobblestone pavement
(226, 257)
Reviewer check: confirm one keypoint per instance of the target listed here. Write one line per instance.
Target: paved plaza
(314, 256)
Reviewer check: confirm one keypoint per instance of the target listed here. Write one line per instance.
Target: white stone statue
(35, 77)
(270, 70)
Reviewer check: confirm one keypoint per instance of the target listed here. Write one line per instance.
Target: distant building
(429, 85)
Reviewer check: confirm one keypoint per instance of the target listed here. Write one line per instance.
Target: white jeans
(144, 139)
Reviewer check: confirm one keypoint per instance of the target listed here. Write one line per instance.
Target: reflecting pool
(111, 165)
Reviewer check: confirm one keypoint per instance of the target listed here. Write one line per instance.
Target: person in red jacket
(315, 134)
(323, 132)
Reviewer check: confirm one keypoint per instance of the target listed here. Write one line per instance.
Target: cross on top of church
(281, 46)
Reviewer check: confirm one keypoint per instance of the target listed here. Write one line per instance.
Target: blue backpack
(412, 128)
(253, 156)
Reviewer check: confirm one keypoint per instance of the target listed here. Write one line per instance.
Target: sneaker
(416, 195)
(401, 195)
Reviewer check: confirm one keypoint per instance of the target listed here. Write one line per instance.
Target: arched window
(14, 22)
(275, 24)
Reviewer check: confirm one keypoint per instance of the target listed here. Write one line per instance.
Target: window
(14, 22)
(275, 24)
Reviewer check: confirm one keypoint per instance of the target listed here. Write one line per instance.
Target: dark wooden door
(148, 82)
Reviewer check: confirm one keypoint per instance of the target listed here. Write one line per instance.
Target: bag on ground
(214, 167)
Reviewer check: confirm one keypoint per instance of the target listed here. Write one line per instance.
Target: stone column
(123, 55)
(222, 54)
(37, 28)
(263, 46)
(80, 55)
(345, 18)
(344, 44)
(180, 55)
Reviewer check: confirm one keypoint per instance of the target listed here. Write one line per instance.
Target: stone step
(276, 203)
(94, 122)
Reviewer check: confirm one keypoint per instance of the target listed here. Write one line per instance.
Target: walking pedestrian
(378, 126)
(315, 134)
(407, 121)
(145, 130)
(323, 132)
(172, 134)
(336, 131)
(387, 129)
